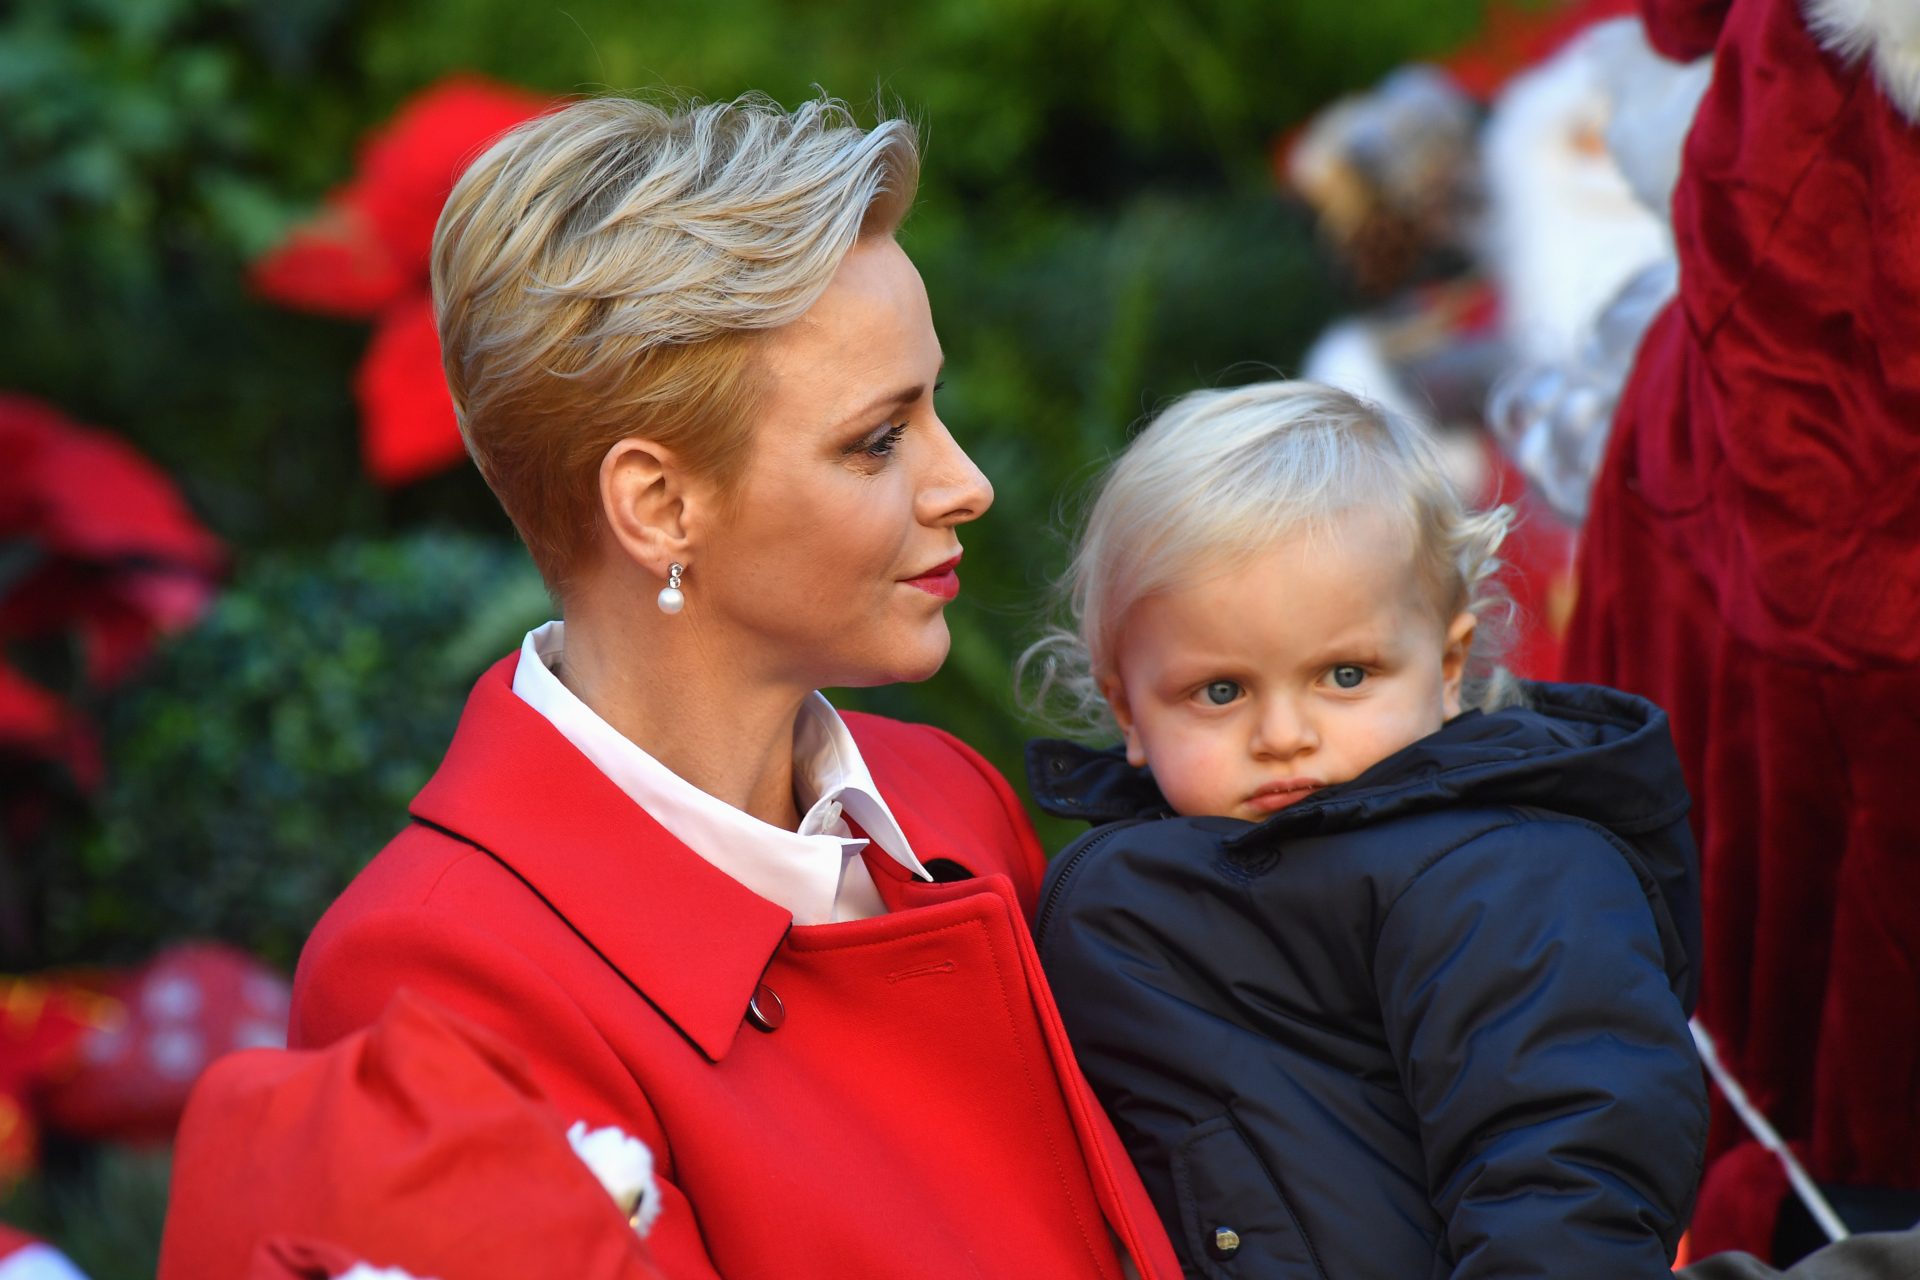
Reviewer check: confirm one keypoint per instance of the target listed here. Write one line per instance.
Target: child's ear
(1116, 695)
(1453, 661)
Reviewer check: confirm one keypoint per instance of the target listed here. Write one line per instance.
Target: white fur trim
(361, 1271)
(625, 1168)
(1888, 29)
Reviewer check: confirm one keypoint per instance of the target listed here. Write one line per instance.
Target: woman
(785, 949)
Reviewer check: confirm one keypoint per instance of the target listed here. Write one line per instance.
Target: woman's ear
(645, 499)
(1115, 692)
(1453, 661)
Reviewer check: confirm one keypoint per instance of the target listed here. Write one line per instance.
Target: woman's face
(835, 562)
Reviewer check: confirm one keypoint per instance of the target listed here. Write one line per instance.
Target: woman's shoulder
(424, 882)
(438, 916)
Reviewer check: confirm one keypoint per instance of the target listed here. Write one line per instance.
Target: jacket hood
(1586, 752)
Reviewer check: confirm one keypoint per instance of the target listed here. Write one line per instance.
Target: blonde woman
(783, 947)
(1381, 962)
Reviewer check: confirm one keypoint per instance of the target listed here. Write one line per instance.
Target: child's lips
(1276, 796)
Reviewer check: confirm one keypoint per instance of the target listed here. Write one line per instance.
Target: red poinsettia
(99, 546)
(364, 256)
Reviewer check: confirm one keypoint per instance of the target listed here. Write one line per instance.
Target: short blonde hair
(604, 270)
(1220, 475)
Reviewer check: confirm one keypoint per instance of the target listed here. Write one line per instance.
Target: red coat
(1752, 563)
(917, 1111)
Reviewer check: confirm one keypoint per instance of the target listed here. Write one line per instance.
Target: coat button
(765, 1010)
(1226, 1242)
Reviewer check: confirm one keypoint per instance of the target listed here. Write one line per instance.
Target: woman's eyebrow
(904, 396)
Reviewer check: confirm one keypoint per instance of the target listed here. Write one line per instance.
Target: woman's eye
(1348, 677)
(1220, 692)
(883, 444)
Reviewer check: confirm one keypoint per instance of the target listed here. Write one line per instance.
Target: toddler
(1379, 959)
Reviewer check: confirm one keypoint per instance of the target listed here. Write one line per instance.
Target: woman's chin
(909, 662)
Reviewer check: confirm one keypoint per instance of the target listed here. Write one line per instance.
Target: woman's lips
(941, 580)
(1277, 796)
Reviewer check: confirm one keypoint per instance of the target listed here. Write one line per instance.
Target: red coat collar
(690, 939)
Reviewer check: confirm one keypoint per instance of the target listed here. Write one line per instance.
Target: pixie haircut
(1218, 477)
(604, 271)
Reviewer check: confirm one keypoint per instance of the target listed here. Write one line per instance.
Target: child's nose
(1283, 730)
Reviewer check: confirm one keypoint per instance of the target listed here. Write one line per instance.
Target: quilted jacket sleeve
(1559, 1097)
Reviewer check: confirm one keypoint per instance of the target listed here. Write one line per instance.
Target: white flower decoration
(625, 1168)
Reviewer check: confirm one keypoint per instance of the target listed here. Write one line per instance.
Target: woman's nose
(953, 490)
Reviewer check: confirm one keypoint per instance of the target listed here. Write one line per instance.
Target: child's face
(1303, 667)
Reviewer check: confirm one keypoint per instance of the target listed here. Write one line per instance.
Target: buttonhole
(923, 971)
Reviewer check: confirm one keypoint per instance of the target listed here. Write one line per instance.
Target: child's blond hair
(1220, 475)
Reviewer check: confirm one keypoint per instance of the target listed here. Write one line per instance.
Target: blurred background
(246, 575)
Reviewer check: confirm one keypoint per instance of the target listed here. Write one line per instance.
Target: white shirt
(815, 872)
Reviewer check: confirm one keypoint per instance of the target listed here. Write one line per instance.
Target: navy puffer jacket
(1430, 1022)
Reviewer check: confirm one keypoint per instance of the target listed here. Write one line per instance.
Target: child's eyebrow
(1180, 673)
(1368, 648)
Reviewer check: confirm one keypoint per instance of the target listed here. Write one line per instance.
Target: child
(1382, 962)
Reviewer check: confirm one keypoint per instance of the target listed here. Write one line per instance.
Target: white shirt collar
(815, 872)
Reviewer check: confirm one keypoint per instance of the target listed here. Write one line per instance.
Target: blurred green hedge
(273, 749)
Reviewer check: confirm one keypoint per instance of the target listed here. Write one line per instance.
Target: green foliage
(1025, 99)
(273, 750)
(150, 150)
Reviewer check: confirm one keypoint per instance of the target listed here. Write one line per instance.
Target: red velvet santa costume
(1753, 564)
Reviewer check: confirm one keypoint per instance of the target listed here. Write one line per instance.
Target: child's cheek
(1193, 775)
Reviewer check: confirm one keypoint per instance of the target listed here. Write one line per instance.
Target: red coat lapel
(513, 785)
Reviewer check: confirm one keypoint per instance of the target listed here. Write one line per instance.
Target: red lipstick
(940, 581)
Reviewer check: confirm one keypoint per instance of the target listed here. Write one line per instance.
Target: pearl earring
(671, 598)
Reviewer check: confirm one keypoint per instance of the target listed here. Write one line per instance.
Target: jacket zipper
(1087, 844)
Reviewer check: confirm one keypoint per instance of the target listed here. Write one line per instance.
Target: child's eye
(1220, 692)
(1348, 676)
